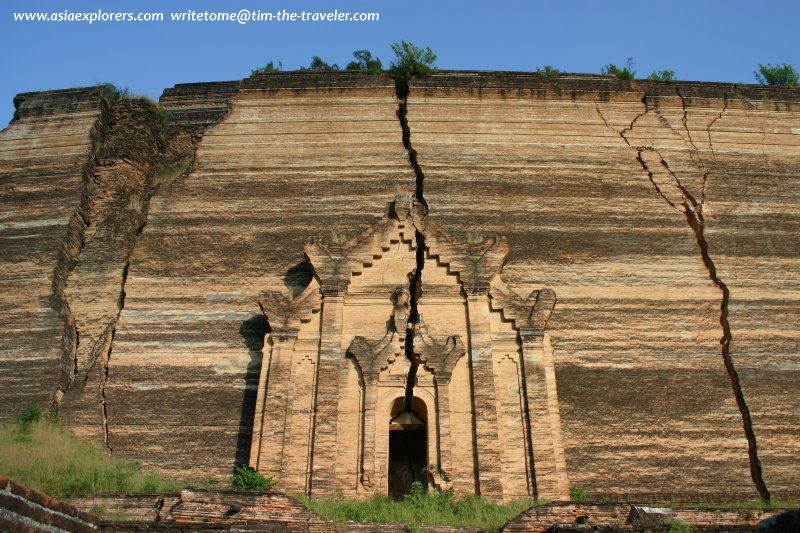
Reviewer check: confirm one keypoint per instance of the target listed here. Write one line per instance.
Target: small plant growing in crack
(411, 60)
(474, 237)
(338, 237)
(577, 494)
(624, 73)
(136, 203)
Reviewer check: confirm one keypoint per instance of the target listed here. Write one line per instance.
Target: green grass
(42, 455)
(440, 508)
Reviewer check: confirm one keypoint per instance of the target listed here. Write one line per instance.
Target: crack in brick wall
(129, 163)
(415, 285)
(70, 249)
(415, 290)
(692, 208)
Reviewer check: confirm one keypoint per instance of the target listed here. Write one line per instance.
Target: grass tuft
(42, 455)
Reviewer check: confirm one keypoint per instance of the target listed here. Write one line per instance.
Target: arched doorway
(408, 446)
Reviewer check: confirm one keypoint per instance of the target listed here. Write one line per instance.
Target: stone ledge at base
(23, 509)
(614, 516)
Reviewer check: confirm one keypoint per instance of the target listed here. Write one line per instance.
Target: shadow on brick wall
(253, 331)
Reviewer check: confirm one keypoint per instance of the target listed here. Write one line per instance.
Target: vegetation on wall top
(269, 67)
(624, 73)
(410, 60)
(547, 70)
(662, 75)
(778, 75)
(364, 62)
(318, 65)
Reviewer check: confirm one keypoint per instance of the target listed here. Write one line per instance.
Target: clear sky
(701, 40)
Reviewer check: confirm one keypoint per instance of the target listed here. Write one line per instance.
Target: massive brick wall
(648, 207)
(587, 178)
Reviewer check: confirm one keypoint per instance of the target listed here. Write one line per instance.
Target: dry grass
(44, 456)
(136, 203)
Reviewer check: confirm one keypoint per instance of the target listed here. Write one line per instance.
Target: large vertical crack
(133, 153)
(67, 258)
(171, 163)
(692, 208)
(103, 402)
(402, 91)
(694, 215)
(415, 290)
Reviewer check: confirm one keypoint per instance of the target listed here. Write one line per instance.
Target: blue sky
(701, 40)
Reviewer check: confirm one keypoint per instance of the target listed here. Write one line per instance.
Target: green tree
(780, 75)
(411, 60)
(547, 70)
(365, 62)
(269, 67)
(318, 65)
(624, 73)
(663, 75)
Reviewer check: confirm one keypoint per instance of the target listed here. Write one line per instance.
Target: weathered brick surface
(44, 155)
(198, 104)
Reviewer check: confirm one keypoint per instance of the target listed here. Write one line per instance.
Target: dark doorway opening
(408, 447)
